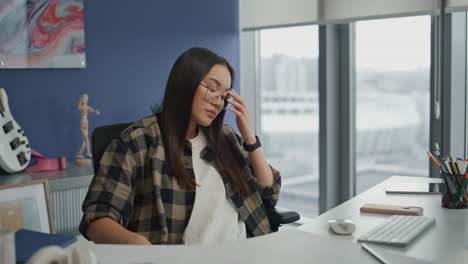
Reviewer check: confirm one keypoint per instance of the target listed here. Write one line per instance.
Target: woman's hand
(261, 169)
(242, 117)
(107, 231)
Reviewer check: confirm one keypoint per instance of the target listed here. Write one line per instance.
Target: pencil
(434, 160)
(453, 165)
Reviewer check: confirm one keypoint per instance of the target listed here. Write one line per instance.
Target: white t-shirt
(214, 218)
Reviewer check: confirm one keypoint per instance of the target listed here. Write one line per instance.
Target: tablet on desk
(413, 187)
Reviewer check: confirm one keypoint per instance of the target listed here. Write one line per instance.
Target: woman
(181, 176)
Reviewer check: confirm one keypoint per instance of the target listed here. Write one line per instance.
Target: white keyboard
(398, 230)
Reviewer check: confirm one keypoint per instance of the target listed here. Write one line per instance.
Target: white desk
(279, 248)
(443, 243)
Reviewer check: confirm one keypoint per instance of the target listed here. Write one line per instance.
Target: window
(392, 98)
(289, 112)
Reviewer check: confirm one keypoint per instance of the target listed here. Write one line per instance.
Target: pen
(447, 198)
(438, 157)
(453, 165)
(450, 185)
(447, 165)
(458, 178)
(465, 181)
(463, 188)
(445, 169)
(461, 192)
(461, 166)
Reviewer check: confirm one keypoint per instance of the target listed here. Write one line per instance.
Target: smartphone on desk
(391, 209)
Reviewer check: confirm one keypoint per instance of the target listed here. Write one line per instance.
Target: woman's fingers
(236, 112)
(241, 117)
(238, 102)
(237, 105)
(236, 96)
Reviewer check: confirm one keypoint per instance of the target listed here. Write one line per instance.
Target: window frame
(337, 99)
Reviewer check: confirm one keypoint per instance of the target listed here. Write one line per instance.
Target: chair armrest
(280, 217)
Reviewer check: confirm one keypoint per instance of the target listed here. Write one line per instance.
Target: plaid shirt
(132, 187)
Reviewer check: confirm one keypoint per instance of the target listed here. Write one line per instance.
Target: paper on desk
(388, 256)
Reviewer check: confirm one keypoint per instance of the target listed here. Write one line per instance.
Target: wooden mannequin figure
(84, 109)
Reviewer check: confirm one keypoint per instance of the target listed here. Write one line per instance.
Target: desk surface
(443, 243)
(313, 242)
(291, 246)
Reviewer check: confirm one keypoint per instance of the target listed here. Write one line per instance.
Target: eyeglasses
(212, 96)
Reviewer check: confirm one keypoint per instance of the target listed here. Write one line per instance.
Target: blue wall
(130, 49)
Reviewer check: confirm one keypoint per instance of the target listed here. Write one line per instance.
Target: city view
(392, 121)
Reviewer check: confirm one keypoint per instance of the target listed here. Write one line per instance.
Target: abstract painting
(42, 34)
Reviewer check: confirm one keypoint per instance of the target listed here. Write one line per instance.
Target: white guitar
(15, 152)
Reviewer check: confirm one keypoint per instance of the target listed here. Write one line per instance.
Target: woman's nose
(218, 101)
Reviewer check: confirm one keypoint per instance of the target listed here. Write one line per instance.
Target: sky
(396, 44)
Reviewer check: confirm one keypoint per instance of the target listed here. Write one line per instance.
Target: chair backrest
(101, 138)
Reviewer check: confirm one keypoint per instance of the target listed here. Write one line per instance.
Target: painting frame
(45, 34)
(39, 192)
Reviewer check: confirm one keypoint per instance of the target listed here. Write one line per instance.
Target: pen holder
(455, 195)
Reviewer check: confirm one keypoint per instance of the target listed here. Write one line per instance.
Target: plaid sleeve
(110, 193)
(269, 194)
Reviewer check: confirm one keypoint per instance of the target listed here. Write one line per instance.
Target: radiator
(66, 205)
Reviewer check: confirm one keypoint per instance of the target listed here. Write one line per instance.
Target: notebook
(27, 242)
(414, 187)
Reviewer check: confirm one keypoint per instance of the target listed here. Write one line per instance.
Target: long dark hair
(186, 74)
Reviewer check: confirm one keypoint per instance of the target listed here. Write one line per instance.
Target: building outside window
(289, 112)
(392, 98)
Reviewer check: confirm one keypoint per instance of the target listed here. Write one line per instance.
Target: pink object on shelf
(44, 164)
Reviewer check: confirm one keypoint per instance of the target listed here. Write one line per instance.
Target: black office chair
(103, 135)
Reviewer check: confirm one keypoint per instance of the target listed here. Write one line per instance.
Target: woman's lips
(211, 114)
